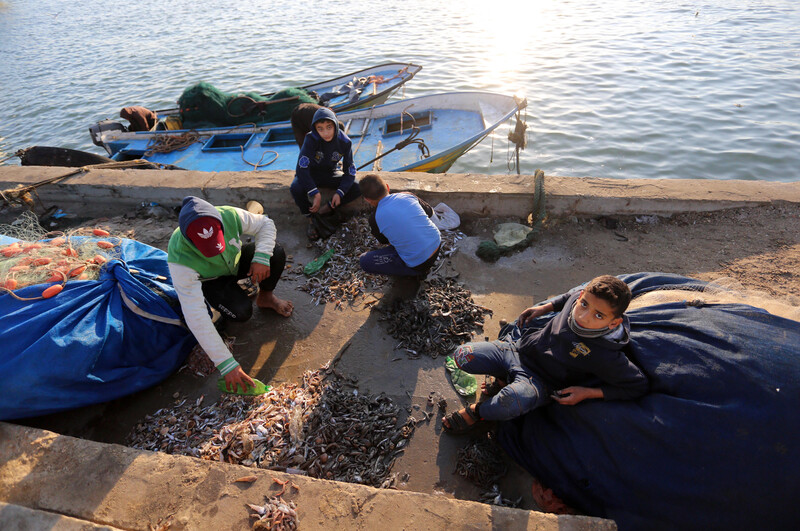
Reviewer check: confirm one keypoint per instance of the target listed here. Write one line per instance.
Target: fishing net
(36, 256)
(203, 105)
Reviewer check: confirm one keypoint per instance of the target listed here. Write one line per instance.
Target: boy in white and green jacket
(206, 260)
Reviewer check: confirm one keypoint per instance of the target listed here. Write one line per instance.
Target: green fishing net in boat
(512, 237)
(203, 105)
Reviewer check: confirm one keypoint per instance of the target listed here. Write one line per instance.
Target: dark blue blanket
(95, 341)
(714, 445)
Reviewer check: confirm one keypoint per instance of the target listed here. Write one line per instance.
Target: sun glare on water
(510, 31)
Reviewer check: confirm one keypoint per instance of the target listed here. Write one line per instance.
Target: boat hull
(384, 137)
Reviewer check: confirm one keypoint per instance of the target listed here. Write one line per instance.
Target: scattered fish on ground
(441, 317)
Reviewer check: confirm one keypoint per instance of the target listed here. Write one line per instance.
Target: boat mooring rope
(518, 136)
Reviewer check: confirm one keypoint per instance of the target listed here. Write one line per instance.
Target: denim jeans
(524, 391)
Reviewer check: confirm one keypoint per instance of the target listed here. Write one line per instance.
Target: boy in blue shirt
(324, 148)
(576, 355)
(402, 220)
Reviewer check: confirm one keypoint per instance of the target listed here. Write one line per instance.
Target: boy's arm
(193, 305)
(302, 170)
(376, 231)
(623, 380)
(349, 171)
(263, 229)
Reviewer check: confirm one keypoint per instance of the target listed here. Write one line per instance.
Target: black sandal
(458, 425)
(491, 390)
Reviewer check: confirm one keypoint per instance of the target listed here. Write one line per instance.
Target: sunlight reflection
(511, 31)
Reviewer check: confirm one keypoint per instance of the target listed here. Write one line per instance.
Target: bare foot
(267, 299)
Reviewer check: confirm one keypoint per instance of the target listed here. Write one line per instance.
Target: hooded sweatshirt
(188, 267)
(563, 358)
(320, 159)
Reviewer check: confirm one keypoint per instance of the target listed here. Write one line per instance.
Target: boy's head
(602, 303)
(373, 188)
(325, 124)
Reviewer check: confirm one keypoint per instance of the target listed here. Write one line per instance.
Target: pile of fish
(323, 428)
(481, 462)
(440, 318)
(274, 515)
(342, 281)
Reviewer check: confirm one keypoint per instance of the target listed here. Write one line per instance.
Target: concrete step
(54, 481)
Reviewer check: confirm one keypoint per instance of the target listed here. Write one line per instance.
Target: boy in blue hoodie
(576, 355)
(324, 148)
(207, 258)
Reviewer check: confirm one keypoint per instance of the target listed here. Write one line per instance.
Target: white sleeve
(263, 229)
(190, 294)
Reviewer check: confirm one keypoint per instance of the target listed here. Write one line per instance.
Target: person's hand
(237, 377)
(572, 395)
(316, 202)
(335, 201)
(531, 313)
(258, 272)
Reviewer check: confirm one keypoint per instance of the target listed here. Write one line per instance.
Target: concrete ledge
(116, 486)
(109, 192)
(24, 519)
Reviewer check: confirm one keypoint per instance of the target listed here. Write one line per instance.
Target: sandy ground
(759, 248)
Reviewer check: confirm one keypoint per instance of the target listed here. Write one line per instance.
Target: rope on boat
(411, 139)
(167, 143)
(22, 194)
(257, 164)
(518, 136)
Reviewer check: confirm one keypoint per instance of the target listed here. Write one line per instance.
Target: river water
(618, 88)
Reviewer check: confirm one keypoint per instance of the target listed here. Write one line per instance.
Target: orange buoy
(41, 261)
(104, 244)
(10, 284)
(69, 252)
(57, 241)
(99, 259)
(32, 247)
(77, 271)
(10, 251)
(52, 291)
(101, 232)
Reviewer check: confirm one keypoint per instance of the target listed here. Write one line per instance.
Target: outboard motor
(101, 127)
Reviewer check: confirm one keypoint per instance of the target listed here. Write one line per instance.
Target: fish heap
(342, 281)
(481, 462)
(318, 428)
(440, 318)
(274, 515)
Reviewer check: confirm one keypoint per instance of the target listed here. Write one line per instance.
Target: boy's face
(594, 313)
(325, 129)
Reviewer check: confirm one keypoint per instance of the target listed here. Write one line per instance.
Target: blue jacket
(564, 358)
(320, 158)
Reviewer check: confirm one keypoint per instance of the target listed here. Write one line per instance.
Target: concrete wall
(104, 192)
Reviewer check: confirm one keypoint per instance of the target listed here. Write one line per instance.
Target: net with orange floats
(51, 259)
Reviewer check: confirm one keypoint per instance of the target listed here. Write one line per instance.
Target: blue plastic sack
(95, 341)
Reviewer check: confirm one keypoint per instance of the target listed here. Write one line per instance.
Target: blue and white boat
(426, 134)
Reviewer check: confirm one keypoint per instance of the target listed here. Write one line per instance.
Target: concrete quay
(69, 471)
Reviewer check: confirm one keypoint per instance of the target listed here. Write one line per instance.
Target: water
(623, 89)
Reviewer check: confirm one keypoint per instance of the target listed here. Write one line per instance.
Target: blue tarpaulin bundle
(714, 445)
(95, 341)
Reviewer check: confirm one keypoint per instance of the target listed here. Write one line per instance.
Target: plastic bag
(445, 218)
